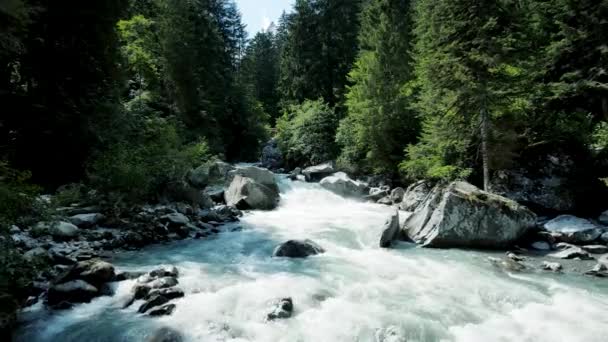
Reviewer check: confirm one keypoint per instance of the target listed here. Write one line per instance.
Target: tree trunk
(484, 148)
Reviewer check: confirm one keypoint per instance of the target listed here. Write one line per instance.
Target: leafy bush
(155, 154)
(16, 195)
(306, 133)
(439, 155)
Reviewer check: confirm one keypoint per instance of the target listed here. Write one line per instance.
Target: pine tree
(380, 122)
(468, 68)
(319, 50)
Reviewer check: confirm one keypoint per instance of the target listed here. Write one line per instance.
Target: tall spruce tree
(380, 122)
(319, 50)
(469, 65)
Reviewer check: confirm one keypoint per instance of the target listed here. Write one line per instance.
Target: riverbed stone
(397, 195)
(551, 266)
(169, 293)
(245, 193)
(163, 282)
(600, 270)
(282, 309)
(390, 231)
(541, 246)
(318, 172)
(596, 249)
(63, 231)
(415, 195)
(340, 184)
(507, 264)
(297, 249)
(574, 229)
(571, 252)
(87, 220)
(95, 271)
(164, 310)
(152, 302)
(176, 219)
(258, 174)
(75, 291)
(166, 271)
(461, 215)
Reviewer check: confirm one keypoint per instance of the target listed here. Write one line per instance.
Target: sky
(258, 14)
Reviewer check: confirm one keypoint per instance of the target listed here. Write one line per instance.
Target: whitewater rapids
(353, 292)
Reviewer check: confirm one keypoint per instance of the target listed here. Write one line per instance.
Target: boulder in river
(574, 229)
(596, 249)
(552, 266)
(164, 310)
(318, 172)
(257, 174)
(163, 282)
(599, 270)
(75, 291)
(461, 215)
(62, 231)
(96, 272)
(272, 157)
(297, 249)
(152, 302)
(390, 231)
(340, 184)
(397, 195)
(245, 193)
(571, 252)
(282, 309)
(541, 246)
(415, 195)
(87, 220)
(214, 172)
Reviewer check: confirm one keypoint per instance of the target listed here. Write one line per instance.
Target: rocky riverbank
(78, 238)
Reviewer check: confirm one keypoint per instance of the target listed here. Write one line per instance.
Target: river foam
(353, 292)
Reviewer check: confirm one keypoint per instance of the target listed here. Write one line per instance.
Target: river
(353, 292)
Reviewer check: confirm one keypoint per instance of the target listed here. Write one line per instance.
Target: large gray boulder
(391, 231)
(272, 157)
(96, 272)
(414, 195)
(214, 172)
(461, 215)
(297, 249)
(257, 174)
(245, 193)
(574, 229)
(75, 291)
(340, 184)
(318, 172)
(62, 230)
(86, 220)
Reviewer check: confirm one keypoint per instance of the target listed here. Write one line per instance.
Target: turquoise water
(353, 292)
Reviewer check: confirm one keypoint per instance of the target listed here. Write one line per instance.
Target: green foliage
(152, 156)
(16, 195)
(440, 155)
(306, 133)
(319, 50)
(470, 68)
(380, 122)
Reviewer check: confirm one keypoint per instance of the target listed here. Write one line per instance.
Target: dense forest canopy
(119, 100)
